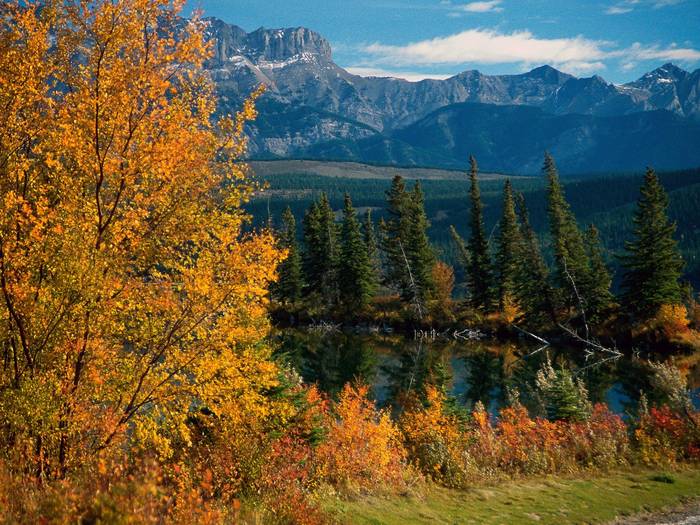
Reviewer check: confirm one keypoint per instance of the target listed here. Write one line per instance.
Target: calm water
(472, 371)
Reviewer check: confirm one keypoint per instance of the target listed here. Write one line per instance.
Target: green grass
(551, 500)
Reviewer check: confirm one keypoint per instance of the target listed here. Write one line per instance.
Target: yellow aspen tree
(130, 296)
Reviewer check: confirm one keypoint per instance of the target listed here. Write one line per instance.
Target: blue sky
(617, 39)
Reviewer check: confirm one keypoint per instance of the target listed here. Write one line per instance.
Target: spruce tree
(508, 255)
(573, 273)
(480, 272)
(600, 298)
(312, 258)
(652, 262)
(289, 286)
(371, 245)
(356, 278)
(395, 232)
(409, 256)
(420, 252)
(462, 253)
(321, 251)
(533, 291)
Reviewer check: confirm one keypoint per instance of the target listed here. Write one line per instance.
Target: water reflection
(469, 371)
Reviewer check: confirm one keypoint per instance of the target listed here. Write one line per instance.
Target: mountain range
(315, 109)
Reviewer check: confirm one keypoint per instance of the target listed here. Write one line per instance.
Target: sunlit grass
(550, 500)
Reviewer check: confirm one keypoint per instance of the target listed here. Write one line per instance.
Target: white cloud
(577, 55)
(488, 46)
(411, 76)
(482, 7)
(664, 3)
(618, 10)
(640, 52)
(626, 6)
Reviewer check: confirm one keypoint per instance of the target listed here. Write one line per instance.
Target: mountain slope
(314, 108)
(513, 138)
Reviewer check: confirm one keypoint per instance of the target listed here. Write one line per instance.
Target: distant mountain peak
(548, 72)
(267, 45)
(667, 72)
(311, 101)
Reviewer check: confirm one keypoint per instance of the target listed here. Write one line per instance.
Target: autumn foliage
(665, 436)
(137, 383)
(363, 449)
(457, 453)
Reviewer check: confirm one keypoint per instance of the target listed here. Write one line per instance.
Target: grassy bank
(550, 500)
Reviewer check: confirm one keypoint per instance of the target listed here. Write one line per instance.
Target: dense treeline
(447, 202)
(508, 275)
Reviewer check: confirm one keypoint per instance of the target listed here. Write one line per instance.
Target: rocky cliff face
(311, 101)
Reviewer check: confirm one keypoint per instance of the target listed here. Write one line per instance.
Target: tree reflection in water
(467, 371)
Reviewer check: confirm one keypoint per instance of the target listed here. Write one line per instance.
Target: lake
(471, 371)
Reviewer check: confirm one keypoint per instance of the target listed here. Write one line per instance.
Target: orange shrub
(362, 449)
(602, 441)
(672, 320)
(287, 483)
(436, 442)
(519, 444)
(664, 436)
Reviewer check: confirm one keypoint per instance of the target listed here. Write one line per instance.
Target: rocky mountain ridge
(311, 102)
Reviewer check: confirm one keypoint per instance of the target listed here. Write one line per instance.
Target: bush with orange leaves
(673, 323)
(122, 489)
(455, 454)
(362, 450)
(287, 483)
(436, 441)
(533, 446)
(665, 436)
(672, 320)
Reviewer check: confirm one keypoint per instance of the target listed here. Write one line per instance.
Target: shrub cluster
(277, 472)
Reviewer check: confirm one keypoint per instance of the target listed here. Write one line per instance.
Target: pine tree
(409, 256)
(420, 252)
(508, 255)
(652, 262)
(371, 243)
(321, 251)
(289, 286)
(573, 273)
(600, 297)
(356, 278)
(395, 232)
(480, 272)
(533, 291)
(563, 397)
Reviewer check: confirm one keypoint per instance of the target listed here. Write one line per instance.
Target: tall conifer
(652, 262)
(533, 290)
(600, 298)
(508, 256)
(420, 252)
(356, 277)
(409, 256)
(395, 232)
(370, 238)
(321, 251)
(461, 247)
(480, 272)
(289, 286)
(573, 272)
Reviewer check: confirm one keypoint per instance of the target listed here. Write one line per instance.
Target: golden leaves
(132, 295)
